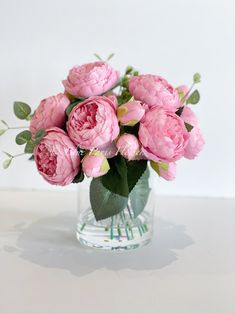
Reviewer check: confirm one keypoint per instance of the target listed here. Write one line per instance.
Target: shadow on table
(50, 242)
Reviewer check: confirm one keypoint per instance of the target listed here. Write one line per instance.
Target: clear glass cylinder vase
(123, 231)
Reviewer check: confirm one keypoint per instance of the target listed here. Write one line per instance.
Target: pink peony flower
(154, 90)
(95, 164)
(166, 171)
(90, 79)
(130, 113)
(93, 123)
(50, 113)
(128, 146)
(196, 140)
(163, 135)
(57, 158)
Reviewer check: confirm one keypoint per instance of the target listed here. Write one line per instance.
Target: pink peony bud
(182, 91)
(128, 145)
(166, 171)
(95, 164)
(130, 113)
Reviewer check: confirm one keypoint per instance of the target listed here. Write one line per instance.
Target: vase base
(114, 234)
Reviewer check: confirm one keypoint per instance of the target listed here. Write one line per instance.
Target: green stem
(186, 95)
(17, 127)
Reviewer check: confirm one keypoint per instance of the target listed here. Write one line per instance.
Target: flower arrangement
(109, 127)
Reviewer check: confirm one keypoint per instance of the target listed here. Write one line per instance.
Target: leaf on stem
(2, 131)
(7, 163)
(23, 137)
(105, 203)
(196, 78)
(194, 98)
(21, 110)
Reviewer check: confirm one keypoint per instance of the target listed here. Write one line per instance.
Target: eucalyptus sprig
(6, 164)
(194, 97)
(7, 127)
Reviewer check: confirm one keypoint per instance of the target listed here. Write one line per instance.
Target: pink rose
(57, 158)
(95, 164)
(163, 135)
(154, 90)
(196, 140)
(130, 113)
(90, 79)
(50, 113)
(93, 123)
(128, 146)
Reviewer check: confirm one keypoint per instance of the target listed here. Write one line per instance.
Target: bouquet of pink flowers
(109, 127)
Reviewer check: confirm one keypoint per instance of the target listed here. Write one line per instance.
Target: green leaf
(188, 126)
(135, 170)
(129, 69)
(21, 110)
(7, 154)
(104, 203)
(110, 56)
(79, 177)
(197, 78)
(4, 122)
(116, 178)
(2, 131)
(23, 137)
(139, 195)
(98, 57)
(7, 163)
(31, 158)
(194, 98)
(72, 105)
(29, 148)
(40, 134)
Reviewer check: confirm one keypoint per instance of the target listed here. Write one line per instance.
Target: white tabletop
(189, 268)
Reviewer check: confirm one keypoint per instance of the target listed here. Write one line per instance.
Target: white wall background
(41, 40)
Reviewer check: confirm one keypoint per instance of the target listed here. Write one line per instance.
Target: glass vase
(123, 231)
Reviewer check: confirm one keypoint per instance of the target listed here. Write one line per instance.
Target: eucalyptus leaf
(21, 110)
(40, 134)
(104, 203)
(110, 56)
(2, 131)
(4, 122)
(140, 193)
(23, 137)
(29, 148)
(194, 98)
(197, 78)
(7, 163)
(7, 154)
